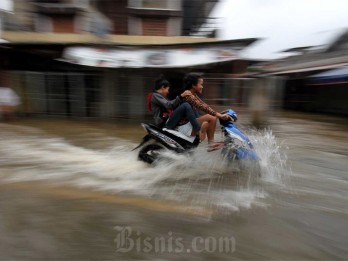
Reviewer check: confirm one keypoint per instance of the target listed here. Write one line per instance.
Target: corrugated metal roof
(309, 69)
(321, 63)
(332, 73)
(330, 77)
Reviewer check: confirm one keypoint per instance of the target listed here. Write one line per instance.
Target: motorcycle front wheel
(150, 153)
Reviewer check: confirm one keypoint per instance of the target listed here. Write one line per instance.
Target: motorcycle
(236, 145)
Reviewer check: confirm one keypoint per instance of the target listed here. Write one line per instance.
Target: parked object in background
(259, 103)
(9, 100)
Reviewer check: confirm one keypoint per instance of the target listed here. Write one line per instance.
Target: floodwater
(74, 190)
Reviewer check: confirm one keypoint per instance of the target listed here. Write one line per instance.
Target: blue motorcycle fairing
(235, 132)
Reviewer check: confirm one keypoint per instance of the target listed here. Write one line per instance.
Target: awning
(133, 57)
(335, 76)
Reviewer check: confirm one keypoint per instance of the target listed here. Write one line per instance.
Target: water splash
(273, 157)
(201, 179)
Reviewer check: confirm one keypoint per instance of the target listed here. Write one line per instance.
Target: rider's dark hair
(191, 79)
(161, 81)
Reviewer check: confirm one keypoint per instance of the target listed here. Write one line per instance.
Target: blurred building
(315, 78)
(196, 17)
(125, 17)
(18, 18)
(100, 58)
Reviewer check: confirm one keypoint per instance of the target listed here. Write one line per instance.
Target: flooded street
(74, 190)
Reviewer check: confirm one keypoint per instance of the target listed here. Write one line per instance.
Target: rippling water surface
(299, 202)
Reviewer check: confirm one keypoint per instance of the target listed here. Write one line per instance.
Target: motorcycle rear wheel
(150, 153)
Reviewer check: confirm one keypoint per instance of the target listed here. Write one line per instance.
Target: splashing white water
(28, 154)
(272, 154)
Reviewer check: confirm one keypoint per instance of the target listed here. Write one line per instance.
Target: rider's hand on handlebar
(224, 116)
(234, 116)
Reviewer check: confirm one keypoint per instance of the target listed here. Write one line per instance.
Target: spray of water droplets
(198, 179)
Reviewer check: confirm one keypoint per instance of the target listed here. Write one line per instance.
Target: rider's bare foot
(215, 146)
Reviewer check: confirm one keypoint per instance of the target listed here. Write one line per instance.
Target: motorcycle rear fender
(156, 133)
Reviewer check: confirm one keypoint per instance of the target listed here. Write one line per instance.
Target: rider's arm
(162, 101)
(199, 104)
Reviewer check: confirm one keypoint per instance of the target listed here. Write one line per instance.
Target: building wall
(174, 4)
(155, 17)
(21, 17)
(111, 94)
(117, 12)
(315, 98)
(104, 95)
(332, 99)
(174, 26)
(123, 94)
(63, 24)
(137, 101)
(134, 26)
(43, 23)
(57, 94)
(154, 26)
(107, 94)
(161, 4)
(59, 24)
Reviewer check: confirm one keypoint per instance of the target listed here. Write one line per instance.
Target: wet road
(73, 190)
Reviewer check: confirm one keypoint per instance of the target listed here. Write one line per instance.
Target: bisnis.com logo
(128, 240)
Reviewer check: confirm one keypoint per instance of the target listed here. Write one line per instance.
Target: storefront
(112, 81)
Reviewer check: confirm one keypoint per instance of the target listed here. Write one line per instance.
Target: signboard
(148, 58)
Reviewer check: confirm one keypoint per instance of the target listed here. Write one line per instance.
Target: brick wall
(154, 26)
